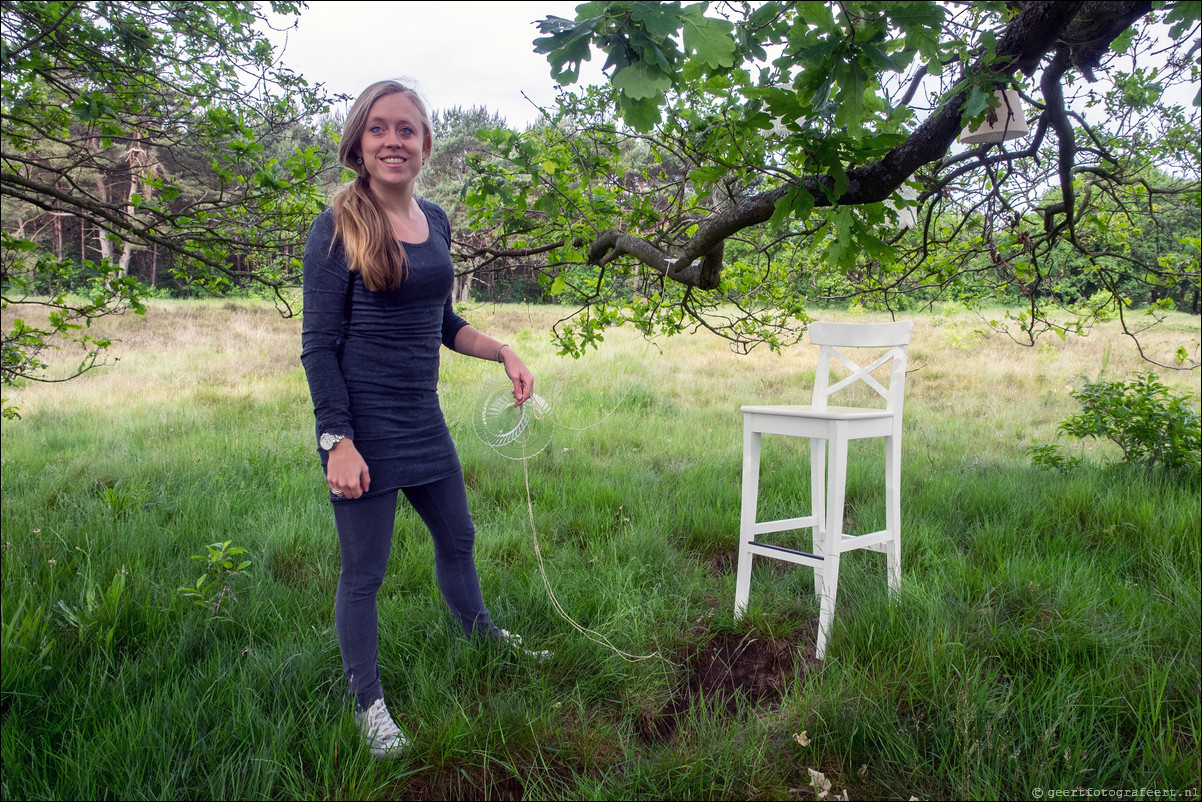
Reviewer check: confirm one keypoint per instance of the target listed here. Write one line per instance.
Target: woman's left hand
(519, 374)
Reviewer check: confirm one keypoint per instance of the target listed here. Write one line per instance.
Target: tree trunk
(135, 157)
(30, 262)
(462, 292)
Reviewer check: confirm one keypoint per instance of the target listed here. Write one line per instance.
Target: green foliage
(68, 315)
(1049, 456)
(1150, 424)
(122, 497)
(781, 130)
(213, 590)
(145, 132)
(26, 639)
(1038, 615)
(458, 145)
(657, 47)
(96, 618)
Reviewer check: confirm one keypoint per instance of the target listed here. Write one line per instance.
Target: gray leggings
(365, 536)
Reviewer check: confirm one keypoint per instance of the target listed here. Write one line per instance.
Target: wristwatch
(327, 441)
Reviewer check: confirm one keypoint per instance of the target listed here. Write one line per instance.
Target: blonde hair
(360, 222)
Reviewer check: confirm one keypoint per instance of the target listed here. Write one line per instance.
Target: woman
(377, 287)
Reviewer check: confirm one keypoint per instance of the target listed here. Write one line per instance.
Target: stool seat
(810, 411)
(824, 424)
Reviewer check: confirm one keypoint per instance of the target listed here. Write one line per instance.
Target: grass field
(1046, 635)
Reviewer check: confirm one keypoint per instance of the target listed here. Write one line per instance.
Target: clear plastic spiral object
(513, 432)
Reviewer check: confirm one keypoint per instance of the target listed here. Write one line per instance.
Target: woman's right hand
(346, 472)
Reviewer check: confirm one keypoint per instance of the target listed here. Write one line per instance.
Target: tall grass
(1046, 633)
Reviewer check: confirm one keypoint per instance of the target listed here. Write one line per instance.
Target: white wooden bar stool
(835, 425)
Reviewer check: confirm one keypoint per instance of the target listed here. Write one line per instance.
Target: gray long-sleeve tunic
(372, 363)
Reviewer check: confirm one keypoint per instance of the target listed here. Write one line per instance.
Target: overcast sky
(456, 53)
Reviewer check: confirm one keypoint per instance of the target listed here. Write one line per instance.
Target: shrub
(214, 589)
(1143, 417)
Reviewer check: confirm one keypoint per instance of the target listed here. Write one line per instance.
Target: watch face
(328, 441)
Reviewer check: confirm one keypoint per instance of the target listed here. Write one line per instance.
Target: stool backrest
(831, 337)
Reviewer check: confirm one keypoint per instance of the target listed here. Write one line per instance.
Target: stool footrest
(764, 527)
(869, 541)
(782, 553)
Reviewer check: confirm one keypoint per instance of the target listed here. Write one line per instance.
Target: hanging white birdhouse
(906, 215)
(1009, 122)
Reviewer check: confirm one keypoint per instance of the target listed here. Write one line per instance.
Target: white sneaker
(514, 641)
(383, 736)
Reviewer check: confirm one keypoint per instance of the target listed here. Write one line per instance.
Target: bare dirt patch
(724, 562)
(472, 784)
(721, 563)
(729, 670)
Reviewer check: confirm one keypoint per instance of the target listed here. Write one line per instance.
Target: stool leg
(893, 510)
(818, 503)
(751, 489)
(833, 536)
(826, 609)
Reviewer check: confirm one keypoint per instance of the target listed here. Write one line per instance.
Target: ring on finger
(336, 492)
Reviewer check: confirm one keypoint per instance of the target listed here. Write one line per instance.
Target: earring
(358, 160)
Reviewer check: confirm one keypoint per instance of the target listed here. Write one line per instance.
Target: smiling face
(395, 141)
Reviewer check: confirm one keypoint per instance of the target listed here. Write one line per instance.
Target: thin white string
(595, 637)
(598, 423)
(592, 635)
